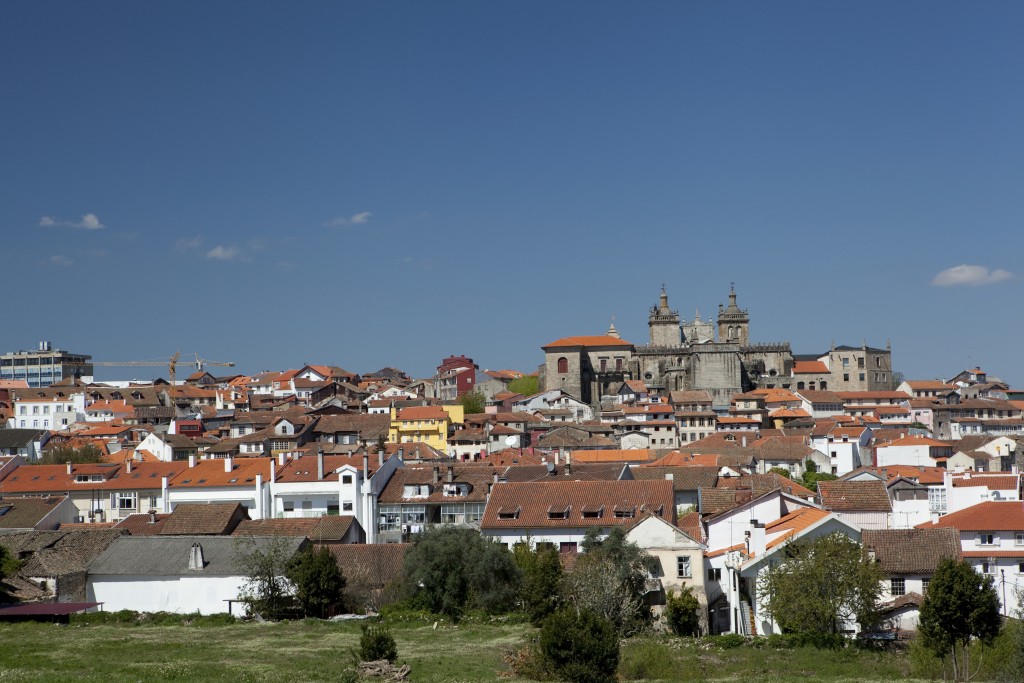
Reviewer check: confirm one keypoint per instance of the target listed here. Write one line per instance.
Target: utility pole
(1002, 574)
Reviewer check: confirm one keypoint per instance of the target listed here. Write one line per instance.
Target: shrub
(728, 641)
(682, 613)
(376, 643)
(580, 646)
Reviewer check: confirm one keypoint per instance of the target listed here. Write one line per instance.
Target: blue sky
(374, 184)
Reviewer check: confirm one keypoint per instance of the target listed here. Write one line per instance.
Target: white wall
(182, 595)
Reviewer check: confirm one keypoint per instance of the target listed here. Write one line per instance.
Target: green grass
(207, 650)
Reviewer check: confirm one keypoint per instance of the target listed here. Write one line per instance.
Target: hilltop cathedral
(685, 355)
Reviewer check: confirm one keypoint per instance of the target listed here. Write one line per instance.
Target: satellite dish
(512, 441)
(550, 466)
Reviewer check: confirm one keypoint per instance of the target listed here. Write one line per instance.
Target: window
(563, 365)
(936, 499)
(988, 567)
(346, 479)
(924, 584)
(604, 364)
(897, 586)
(289, 506)
(567, 547)
(1020, 567)
(618, 364)
(986, 539)
(332, 509)
(347, 506)
(126, 500)
(390, 518)
(861, 377)
(1018, 538)
(683, 570)
(846, 377)
(714, 575)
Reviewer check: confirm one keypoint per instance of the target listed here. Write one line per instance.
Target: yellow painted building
(426, 424)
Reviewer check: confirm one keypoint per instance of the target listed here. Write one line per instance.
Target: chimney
(273, 474)
(670, 476)
(935, 518)
(495, 477)
(69, 466)
(192, 461)
(195, 558)
(437, 474)
(366, 466)
(228, 464)
(756, 539)
(401, 454)
(744, 442)
(259, 497)
(380, 458)
(319, 464)
(451, 474)
(163, 493)
(280, 459)
(152, 517)
(128, 466)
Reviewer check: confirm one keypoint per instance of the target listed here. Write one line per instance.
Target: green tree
(450, 569)
(610, 579)
(58, 455)
(318, 581)
(264, 563)
(580, 646)
(811, 479)
(781, 471)
(682, 613)
(821, 584)
(527, 385)
(542, 580)
(473, 402)
(961, 605)
(8, 566)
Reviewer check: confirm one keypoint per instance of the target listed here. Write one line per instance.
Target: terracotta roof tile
(854, 496)
(213, 519)
(911, 551)
(987, 516)
(537, 505)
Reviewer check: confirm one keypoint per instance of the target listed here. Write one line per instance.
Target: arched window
(799, 385)
(824, 385)
(563, 364)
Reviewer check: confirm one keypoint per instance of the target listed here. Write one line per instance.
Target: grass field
(320, 651)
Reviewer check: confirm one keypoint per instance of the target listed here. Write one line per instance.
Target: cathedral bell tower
(664, 323)
(733, 322)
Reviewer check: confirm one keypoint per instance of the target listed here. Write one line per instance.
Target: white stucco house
(180, 574)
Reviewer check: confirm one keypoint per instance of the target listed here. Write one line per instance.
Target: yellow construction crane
(199, 363)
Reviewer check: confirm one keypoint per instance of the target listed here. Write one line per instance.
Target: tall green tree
(610, 579)
(542, 580)
(450, 570)
(580, 646)
(318, 581)
(821, 584)
(264, 563)
(473, 402)
(960, 606)
(8, 565)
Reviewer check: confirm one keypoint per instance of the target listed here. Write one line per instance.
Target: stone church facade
(680, 356)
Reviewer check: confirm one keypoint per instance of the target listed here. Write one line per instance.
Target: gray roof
(169, 555)
(18, 438)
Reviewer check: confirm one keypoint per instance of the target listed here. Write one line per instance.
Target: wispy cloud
(60, 260)
(970, 276)
(222, 253)
(360, 218)
(89, 222)
(188, 244)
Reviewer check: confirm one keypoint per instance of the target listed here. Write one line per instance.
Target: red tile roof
(987, 516)
(592, 340)
(584, 504)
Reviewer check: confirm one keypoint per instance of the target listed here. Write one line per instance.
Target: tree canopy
(473, 402)
(961, 605)
(318, 581)
(610, 579)
(527, 385)
(450, 569)
(542, 580)
(821, 584)
(58, 455)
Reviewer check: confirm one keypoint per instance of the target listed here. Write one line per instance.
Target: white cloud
(60, 260)
(970, 276)
(222, 253)
(355, 219)
(89, 222)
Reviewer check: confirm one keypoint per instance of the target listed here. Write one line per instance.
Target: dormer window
(592, 512)
(625, 512)
(509, 513)
(558, 512)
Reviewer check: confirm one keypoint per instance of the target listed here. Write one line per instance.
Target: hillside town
(711, 451)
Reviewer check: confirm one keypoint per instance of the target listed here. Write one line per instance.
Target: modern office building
(44, 366)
